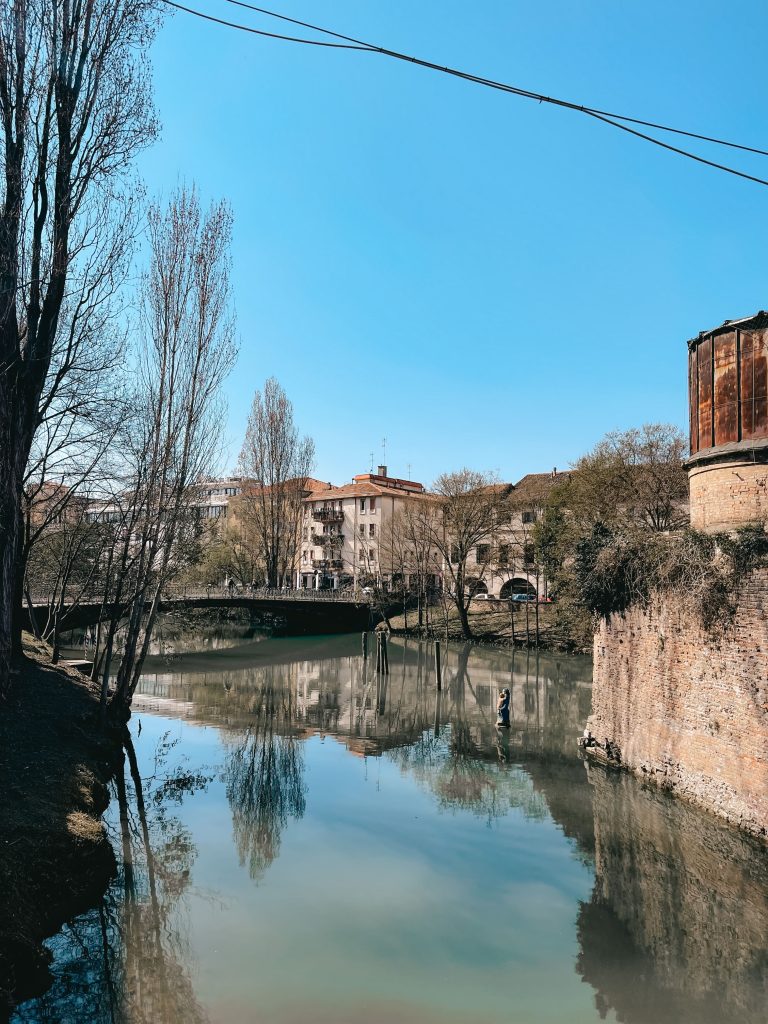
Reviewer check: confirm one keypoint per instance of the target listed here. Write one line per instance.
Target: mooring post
(438, 668)
(365, 646)
(385, 653)
(378, 652)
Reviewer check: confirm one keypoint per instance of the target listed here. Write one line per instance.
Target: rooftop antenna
(371, 470)
(409, 471)
(384, 449)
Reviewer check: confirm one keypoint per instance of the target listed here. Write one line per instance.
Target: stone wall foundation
(687, 707)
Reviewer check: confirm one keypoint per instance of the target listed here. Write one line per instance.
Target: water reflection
(265, 772)
(458, 862)
(127, 962)
(677, 927)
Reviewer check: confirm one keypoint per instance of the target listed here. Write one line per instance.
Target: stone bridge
(295, 612)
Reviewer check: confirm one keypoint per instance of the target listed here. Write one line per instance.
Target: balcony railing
(327, 563)
(328, 515)
(320, 539)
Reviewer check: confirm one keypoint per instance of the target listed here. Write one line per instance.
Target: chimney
(554, 472)
(382, 471)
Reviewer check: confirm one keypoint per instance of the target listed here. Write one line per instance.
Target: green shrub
(615, 571)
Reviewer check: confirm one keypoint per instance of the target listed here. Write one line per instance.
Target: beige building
(342, 530)
(505, 563)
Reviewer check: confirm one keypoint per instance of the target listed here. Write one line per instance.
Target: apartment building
(213, 496)
(342, 529)
(504, 564)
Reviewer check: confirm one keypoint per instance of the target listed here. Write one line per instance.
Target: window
(372, 528)
(455, 555)
(503, 554)
(529, 517)
(362, 506)
(529, 554)
(483, 554)
(304, 556)
(361, 555)
(371, 553)
(372, 505)
(361, 528)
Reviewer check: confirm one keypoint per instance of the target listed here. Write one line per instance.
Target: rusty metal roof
(756, 321)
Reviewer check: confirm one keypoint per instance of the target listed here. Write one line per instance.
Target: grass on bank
(491, 622)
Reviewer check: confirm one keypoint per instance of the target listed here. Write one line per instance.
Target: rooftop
(757, 321)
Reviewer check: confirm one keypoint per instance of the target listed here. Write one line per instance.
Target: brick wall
(689, 709)
(728, 495)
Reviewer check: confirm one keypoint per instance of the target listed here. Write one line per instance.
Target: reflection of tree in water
(265, 776)
(449, 766)
(126, 962)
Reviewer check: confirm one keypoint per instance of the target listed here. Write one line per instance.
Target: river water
(299, 840)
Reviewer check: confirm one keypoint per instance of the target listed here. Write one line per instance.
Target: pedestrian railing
(219, 593)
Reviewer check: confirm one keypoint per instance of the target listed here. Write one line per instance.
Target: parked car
(523, 598)
(483, 597)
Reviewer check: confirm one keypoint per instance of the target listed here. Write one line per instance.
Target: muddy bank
(55, 858)
(491, 625)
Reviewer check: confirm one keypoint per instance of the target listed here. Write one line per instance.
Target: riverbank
(491, 624)
(55, 858)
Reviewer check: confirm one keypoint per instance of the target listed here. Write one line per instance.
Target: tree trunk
(466, 632)
(14, 452)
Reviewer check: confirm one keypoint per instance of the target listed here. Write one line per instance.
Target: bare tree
(277, 461)
(633, 478)
(186, 349)
(74, 108)
(461, 528)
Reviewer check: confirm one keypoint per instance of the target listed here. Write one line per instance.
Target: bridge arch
(476, 586)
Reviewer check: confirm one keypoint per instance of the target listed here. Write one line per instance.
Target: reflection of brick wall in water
(677, 925)
(689, 709)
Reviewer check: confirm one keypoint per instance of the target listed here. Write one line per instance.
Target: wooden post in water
(438, 668)
(365, 646)
(384, 654)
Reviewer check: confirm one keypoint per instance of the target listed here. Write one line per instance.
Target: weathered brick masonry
(726, 495)
(689, 708)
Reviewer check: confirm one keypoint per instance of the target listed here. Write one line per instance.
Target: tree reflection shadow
(127, 961)
(264, 776)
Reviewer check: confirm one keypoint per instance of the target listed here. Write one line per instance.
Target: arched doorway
(517, 585)
(475, 586)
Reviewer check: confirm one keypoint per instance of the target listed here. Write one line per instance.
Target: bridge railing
(186, 593)
(178, 592)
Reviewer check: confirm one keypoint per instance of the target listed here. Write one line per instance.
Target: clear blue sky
(480, 279)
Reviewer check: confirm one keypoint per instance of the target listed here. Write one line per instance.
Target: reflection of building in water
(345, 698)
(677, 927)
(448, 742)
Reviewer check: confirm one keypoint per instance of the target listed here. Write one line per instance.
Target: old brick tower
(728, 403)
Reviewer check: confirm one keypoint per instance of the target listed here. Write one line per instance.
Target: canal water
(299, 840)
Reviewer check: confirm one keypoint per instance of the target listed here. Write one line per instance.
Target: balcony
(321, 539)
(327, 563)
(328, 515)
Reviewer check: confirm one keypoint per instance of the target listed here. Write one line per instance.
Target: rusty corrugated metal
(693, 401)
(726, 409)
(704, 360)
(728, 384)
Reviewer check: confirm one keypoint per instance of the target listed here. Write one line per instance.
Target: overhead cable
(615, 120)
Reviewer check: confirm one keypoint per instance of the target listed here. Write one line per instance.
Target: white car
(484, 597)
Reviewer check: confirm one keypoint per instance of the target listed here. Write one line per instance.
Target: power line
(261, 32)
(615, 120)
(516, 89)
